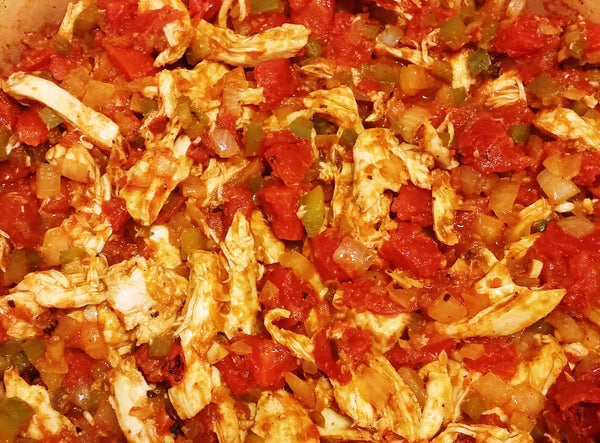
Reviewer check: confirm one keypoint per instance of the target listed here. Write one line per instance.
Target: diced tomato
(571, 263)
(198, 153)
(116, 211)
(118, 13)
(592, 37)
(119, 248)
(266, 20)
(204, 9)
(131, 63)
(526, 35)
(413, 204)
(80, 365)
(19, 216)
(529, 193)
(414, 358)
(290, 157)
(10, 174)
(410, 249)
(513, 114)
(346, 43)
(499, 357)
(269, 362)
(486, 146)
(353, 346)
(572, 409)
(294, 295)
(316, 15)
(424, 19)
(156, 370)
(364, 295)
(277, 79)
(237, 199)
(280, 203)
(201, 426)
(31, 129)
(9, 110)
(322, 248)
(590, 170)
(264, 367)
(325, 359)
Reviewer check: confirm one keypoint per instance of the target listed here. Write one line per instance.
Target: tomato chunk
(316, 15)
(346, 43)
(204, 9)
(9, 110)
(410, 249)
(487, 147)
(293, 294)
(414, 358)
(131, 63)
(322, 248)
(156, 370)
(281, 203)
(277, 79)
(413, 204)
(365, 295)
(19, 216)
(31, 129)
(526, 35)
(290, 157)
(237, 199)
(264, 367)
(116, 211)
(499, 357)
(326, 360)
(80, 366)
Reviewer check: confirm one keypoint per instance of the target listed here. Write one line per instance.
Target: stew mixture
(272, 220)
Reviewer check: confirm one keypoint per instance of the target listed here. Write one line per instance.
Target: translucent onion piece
(354, 257)
(225, 143)
(48, 181)
(555, 187)
(577, 226)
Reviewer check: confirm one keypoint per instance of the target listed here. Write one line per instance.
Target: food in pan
(315, 220)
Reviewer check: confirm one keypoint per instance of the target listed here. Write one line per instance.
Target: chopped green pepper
(452, 32)
(520, 133)
(579, 107)
(313, 214)
(160, 346)
(348, 137)
(254, 137)
(87, 20)
(20, 262)
(198, 51)
(479, 61)
(50, 117)
(574, 43)
(61, 44)
(323, 126)
(459, 95)
(149, 105)
(258, 6)
(473, 405)
(190, 239)
(540, 225)
(313, 48)
(68, 255)
(15, 415)
(545, 88)
(302, 127)
(442, 70)
(33, 349)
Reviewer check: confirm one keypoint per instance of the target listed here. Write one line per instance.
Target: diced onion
(522, 421)
(515, 7)
(555, 187)
(578, 226)
(528, 399)
(415, 383)
(446, 309)
(566, 328)
(241, 348)
(216, 353)
(303, 389)
(225, 143)
(472, 350)
(74, 170)
(493, 388)
(488, 228)
(567, 166)
(390, 36)
(410, 121)
(48, 181)
(55, 241)
(354, 257)
(503, 196)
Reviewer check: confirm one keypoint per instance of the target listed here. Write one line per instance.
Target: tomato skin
(499, 357)
(277, 79)
(281, 203)
(264, 367)
(410, 249)
(525, 36)
(363, 295)
(80, 365)
(413, 204)
(20, 217)
(116, 212)
(289, 156)
(316, 15)
(9, 110)
(131, 63)
(486, 147)
(325, 360)
(294, 295)
(354, 344)
(204, 9)
(30, 128)
(237, 198)
(592, 37)
(590, 170)
(414, 358)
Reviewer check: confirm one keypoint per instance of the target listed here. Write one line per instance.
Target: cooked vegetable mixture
(301, 221)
